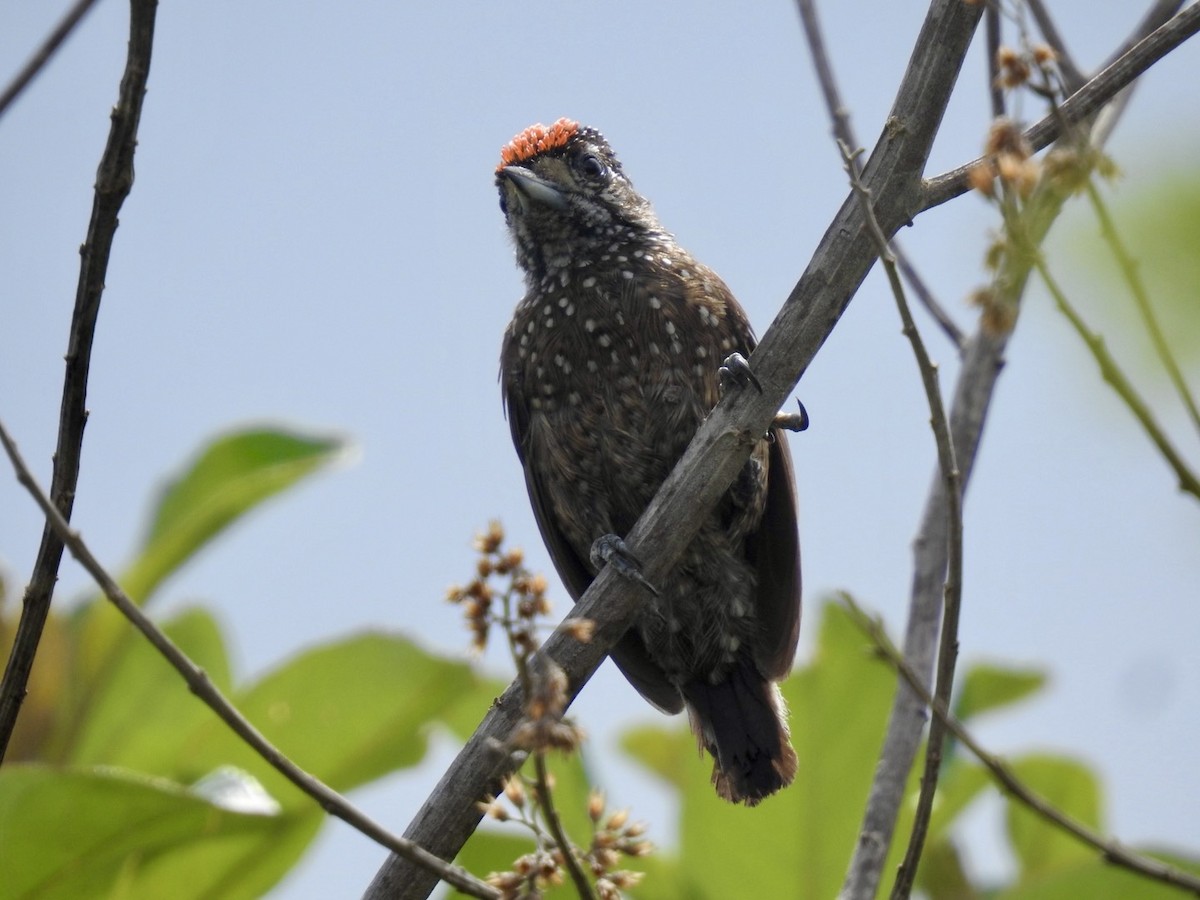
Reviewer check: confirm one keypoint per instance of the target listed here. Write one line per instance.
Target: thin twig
(1072, 75)
(1110, 850)
(843, 134)
(114, 180)
(948, 464)
(1129, 269)
(1116, 76)
(582, 886)
(991, 30)
(42, 55)
(200, 685)
(521, 659)
(1112, 373)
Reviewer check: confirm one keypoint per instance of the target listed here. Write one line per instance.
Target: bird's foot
(611, 550)
(797, 421)
(735, 371)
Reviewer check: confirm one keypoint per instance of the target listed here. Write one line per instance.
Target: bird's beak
(536, 189)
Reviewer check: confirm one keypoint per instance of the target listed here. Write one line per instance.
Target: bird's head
(564, 196)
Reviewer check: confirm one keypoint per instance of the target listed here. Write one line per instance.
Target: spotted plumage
(608, 368)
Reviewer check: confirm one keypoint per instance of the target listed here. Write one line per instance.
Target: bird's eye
(592, 167)
(503, 203)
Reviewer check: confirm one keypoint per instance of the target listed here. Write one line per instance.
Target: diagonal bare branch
(1110, 850)
(952, 589)
(843, 134)
(42, 55)
(1098, 91)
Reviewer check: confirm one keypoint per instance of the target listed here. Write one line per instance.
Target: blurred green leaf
(943, 876)
(231, 476)
(143, 716)
(1160, 226)
(986, 687)
(77, 833)
(1069, 786)
(348, 712)
(1098, 880)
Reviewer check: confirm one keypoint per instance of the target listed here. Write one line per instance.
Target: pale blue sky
(314, 238)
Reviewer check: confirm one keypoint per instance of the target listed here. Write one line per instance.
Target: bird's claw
(797, 421)
(609, 549)
(735, 370)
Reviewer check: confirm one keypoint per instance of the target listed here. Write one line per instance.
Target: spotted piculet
(608, 367)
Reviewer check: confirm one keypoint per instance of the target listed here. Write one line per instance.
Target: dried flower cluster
(505, 594)
(544, 727)
(613, 838)
(516, 607)
(522, 600)
(1007, 156)
(1015, 67)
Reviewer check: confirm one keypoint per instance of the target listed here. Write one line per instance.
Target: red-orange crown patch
(536, 139)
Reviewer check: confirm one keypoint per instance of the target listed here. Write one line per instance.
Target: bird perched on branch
(608, 367)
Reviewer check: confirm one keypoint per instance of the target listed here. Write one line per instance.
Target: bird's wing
(629, 653)
(774, 548)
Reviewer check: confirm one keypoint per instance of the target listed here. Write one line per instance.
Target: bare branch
(1087, 100)
(948, 651)
(114, 179)
(983, 360)
(570, 862)
(991, 30)
(42, 55)
(721, 446)
(200, 685)
(1110, 850)
(843, 133)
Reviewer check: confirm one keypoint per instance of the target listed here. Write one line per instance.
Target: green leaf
(143, 716)
(1068, 785)
(986, 687)
(1159, 226)
(231, 476)
(347, 712)
(81, 833)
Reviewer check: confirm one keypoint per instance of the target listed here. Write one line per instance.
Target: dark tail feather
(742, 722)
